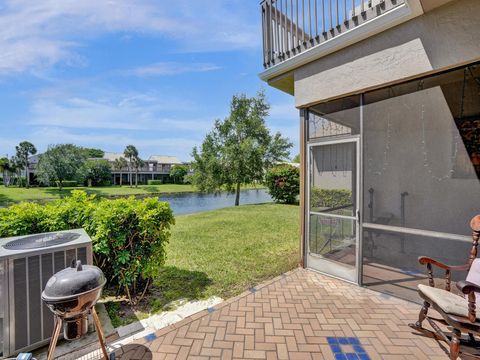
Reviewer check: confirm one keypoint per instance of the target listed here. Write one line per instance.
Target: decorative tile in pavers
(300, 315)
(347, 348)
(150, 337)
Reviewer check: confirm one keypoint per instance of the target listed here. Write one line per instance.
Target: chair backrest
(473, 275)
(475, 225)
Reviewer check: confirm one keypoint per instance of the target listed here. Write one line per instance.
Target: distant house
(157, 167)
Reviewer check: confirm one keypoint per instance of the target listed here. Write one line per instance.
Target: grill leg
(101, 336)
(53, 341)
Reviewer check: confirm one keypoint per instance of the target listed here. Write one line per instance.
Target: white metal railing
(293, 26)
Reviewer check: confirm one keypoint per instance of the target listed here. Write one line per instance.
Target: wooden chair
(457, 311)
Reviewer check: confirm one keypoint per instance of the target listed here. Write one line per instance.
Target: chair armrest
(469, 289)
(423, 260)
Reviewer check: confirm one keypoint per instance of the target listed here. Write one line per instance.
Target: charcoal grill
(71, 294)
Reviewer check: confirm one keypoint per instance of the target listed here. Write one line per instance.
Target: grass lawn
(12, 194)
(222, 253)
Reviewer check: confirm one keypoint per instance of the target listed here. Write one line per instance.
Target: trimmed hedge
(329, 197)
(129, 236)
(154, 182)
(283, 182)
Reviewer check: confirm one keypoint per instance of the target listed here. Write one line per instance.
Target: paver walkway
(300, 315)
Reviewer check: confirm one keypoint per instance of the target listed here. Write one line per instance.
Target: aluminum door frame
(356, 139)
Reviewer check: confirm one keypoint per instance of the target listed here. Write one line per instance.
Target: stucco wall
(442, 38)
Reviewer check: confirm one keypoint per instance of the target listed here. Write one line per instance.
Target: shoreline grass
(11, 195)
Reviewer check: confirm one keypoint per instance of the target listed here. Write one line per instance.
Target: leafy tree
(24, 150)
(95, 172)
(178, 173)
(91, 153)
(283, 182)
(60, 163)
(118, 165)
(130, 153)
(239, 149)
(296, 159)
(137, 164)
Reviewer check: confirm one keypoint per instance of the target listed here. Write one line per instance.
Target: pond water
(189, 203)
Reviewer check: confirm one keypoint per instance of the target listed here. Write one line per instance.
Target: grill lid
(74, 280)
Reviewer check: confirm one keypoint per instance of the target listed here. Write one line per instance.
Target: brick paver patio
(300, 315)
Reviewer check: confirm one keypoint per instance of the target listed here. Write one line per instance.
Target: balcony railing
(293, 26)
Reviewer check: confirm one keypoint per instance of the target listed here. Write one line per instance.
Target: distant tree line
(67, 165)
(59, 164)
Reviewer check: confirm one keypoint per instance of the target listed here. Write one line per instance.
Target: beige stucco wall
(440, 39)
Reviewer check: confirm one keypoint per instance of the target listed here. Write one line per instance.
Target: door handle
(358, 215)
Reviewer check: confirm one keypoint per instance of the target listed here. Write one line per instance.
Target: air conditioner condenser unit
(26, 264)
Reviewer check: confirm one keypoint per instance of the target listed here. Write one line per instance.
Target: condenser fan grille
(40, 241)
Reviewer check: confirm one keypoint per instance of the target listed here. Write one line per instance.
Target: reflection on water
(189, 203)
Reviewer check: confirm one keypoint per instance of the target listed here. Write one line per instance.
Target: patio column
(303, 179)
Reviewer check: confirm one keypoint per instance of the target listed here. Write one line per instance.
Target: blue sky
(107, 73)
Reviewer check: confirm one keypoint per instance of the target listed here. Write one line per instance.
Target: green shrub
(22, 219)
(129, 241)
(129, 236)
(283, 183)
(67, 183)
(328, 198)
(154, 182)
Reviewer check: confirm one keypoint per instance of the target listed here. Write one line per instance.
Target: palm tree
(4, 167)
(130, 153)
(137, 163)
(14, 167)
(120, 164)
(24, 150)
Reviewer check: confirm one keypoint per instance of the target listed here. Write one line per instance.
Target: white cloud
(35, 35)
(171, 68)
(133, 112)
